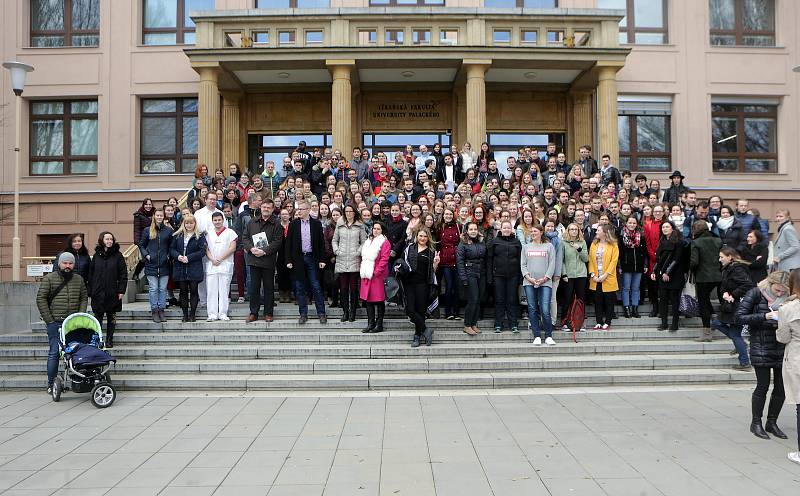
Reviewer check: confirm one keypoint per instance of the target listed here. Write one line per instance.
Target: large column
(581, 122)
(341, 103)
(230, 129)
(208, 118)
(607, 112)
(476, 101)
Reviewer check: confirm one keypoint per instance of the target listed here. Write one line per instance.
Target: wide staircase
(285, 356)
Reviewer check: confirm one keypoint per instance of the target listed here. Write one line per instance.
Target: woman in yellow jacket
(603, 258)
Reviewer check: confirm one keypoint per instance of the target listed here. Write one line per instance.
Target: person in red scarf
(633, 262)
(652, 235)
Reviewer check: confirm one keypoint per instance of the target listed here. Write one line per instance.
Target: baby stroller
(86, 364)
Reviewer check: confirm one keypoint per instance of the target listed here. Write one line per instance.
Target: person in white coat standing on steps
(221, 244)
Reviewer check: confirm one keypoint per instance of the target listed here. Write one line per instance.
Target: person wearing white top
(221, 244)
(204, 225)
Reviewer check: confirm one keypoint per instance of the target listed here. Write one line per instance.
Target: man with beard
(61, 294)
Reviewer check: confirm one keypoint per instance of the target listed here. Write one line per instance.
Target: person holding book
(263, 238)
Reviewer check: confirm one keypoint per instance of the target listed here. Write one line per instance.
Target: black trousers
(417, 305)
(262, 278)
(704, 290)
(111, 324)
(760, 392)
(475, 293)
(673, 297)
(603, 305)
(506, 300)
(189, 297)
(574, 287)
(652, 290)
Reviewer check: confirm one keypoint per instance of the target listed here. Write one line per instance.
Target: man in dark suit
(305, 246)
(449, 174)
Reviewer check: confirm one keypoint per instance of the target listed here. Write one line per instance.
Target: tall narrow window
(63, 137)
(645, 22)
(644, 134)
(168, 22)
(744, 137)
(742, 22)
(169, 135)
(57, 23)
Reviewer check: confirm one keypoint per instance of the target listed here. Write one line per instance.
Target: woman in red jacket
(449, 234)
(652, 235)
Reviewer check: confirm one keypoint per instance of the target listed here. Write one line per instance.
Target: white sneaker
(565, 327)
(605, 327)
(211, 318)
(549, 341)
(240, 300)
(795, 457)
(224, 317)
(597, 327)
(537, 341)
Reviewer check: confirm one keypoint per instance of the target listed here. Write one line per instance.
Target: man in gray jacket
(263, 237)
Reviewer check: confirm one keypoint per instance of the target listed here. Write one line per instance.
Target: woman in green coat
(573, 270)
(704, 264)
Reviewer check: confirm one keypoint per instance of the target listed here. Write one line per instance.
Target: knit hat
(66, 257)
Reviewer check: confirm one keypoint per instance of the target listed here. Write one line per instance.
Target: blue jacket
(195, 250)
(158, 251)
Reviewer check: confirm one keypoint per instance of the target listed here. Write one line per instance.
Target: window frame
(634, 153)
(292, 5)
(402, 3)
(68, 32)
(66, 117)
(630, 28)
(741, 155)
(521, 5)
(739, 31)
(180, 30)
(179, 114)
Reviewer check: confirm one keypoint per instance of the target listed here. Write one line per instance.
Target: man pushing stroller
(61, 293)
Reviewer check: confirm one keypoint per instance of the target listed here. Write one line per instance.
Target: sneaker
(549, 341)
(224, 317)
(451, 317)
(565, 327)
(597, 327)
(240, 300)
(515, 330)
(795, 457)
(50, 389)
(498, 330)
(211, 318)
(742, 367)
(537, 341)
(605, 327)
(583, 329)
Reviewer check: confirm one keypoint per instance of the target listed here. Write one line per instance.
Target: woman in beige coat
(789, 334)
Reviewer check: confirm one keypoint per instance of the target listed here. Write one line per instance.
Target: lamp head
(18, 72)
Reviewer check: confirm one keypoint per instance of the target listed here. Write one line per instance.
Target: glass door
(263, 147)
(506, 145)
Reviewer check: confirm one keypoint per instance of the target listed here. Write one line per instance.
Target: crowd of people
(462, 236)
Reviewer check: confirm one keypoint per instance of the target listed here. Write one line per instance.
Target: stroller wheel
(58, 388)
(103, 395)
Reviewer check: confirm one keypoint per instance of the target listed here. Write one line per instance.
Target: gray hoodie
(538, 260)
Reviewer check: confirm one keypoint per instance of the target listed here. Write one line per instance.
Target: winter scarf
(369, 254)
(725, 224)
(678, 220)
(631, 239)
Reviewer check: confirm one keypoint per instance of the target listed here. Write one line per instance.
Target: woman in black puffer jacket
(734, 285)
(471, 263)
(759, 310)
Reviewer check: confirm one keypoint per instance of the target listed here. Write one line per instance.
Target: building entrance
(506, 145)
(389, 143)
(263, 147)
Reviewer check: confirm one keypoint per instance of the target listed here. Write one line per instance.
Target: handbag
(688, 305)
(575, 317)
(393, 290)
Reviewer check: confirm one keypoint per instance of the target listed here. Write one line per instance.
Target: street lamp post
(18, 71)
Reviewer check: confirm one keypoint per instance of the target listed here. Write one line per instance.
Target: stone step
(398, 365)
(379, 381)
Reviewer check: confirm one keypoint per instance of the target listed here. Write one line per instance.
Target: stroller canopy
(81, 321)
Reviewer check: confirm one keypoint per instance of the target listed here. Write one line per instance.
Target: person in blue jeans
(61, 293)
(538, 264)
(735, 284)
(305, 246)
(633, 262)
(154, 245)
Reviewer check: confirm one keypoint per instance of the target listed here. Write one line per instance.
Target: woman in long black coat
(670, 273)
(759, 310)
(755, 251)
(108, 279)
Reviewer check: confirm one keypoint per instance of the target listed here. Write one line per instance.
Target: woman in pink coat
(374, 270)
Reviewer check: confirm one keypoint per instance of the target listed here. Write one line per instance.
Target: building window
(448, 37)
(555, 37)
(645, 22)
(644, 133)
(233, 39)
(367, 37)
(581, 38)
(63, 137)
(394, 36)
(421, 36)
(529, 36)
(314, 37)
(167, 22)
(293, 4)
(261, 37)
(404, 3)
(58, 23)
(744, 137)
(528, 4)
(286, 37)
(261, 148)
(169, 135)
(501, 36)
(742, 22)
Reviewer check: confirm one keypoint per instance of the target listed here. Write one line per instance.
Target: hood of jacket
(100, 250)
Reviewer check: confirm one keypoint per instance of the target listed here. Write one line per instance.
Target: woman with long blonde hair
(188, 249)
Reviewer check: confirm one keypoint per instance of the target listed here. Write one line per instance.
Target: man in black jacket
(261, 255)
(305, 247)
(396, 227)
(449, 174)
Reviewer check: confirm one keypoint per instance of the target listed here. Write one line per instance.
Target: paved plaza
(654, 441)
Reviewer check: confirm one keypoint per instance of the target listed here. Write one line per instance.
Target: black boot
(626, 312)
(635, 312)
(774, 409)
(370, 318)
(193, 309)
(381, 309)
(674, 326)
(353, 305)
(345, 309)
(185, 311)
(428, 336)
(757, 405)
(415, 341)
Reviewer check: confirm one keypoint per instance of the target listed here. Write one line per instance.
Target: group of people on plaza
(459, 233)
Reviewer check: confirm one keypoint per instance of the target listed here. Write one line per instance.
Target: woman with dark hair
(503, 262)
(108, 279)
(730, 229)
(707, 276)
(633, 263)
(420, 262)
(471, 261)
(373, 269)
(346, 243)
(669, 273)
(449, 235)
(756, 252)
(735, 284)
(759, 310)
(141, 220)
(789, 334)
(74, 244)
(652, 235)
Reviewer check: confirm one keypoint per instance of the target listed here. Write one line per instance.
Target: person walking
(419, 262)
(187, 250)
(669, 272)
(603, 260)
(154, 247)
(538, 263)
(220, 246)
(735, 282)
(633, 263)
(373, 269)
(787, 246)
(263, 239)
(503, 262)
(759, 310)
(707, 276)
(574, 270)
(348, 238)
(789, 334)
(61, 293)
(449, 235)
(471, 262)
(108, 281)
(305, 248)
